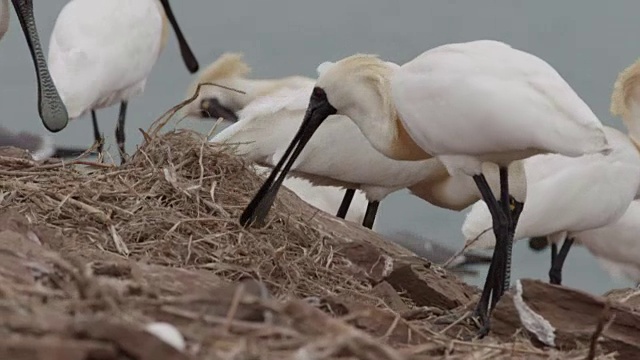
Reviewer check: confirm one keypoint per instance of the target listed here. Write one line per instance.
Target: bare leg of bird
(370, 215)
(495, 278)
(96, 133)
(120, 132)
(346, 202)
(557, 261)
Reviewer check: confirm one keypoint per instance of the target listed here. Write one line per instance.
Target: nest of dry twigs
(176, 204)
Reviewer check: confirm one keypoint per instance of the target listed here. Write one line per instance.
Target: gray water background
(587, 41)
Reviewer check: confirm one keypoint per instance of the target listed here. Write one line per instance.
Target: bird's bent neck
(387, 134)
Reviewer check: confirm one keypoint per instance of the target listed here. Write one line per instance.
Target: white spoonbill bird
(605, 199)
(50, 107)
(101, 53)
(40, 147)
(566, 196)
(465, 103)
(267, 125)
(276, 107)
(325, 198)
(614, 244)
(231, 70)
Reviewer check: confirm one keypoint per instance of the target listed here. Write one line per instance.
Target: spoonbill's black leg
(120, 131)
(505, 214)
(557, 261)
(495, 279)
(96, 132)
(346, 202)
(370, 215)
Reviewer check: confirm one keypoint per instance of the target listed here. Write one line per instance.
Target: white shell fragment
(532, 321)
(167, 333)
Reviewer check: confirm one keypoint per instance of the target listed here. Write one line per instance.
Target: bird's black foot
(485, 326)
(555, 276)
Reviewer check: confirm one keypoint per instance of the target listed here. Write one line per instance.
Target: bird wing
(494, 98)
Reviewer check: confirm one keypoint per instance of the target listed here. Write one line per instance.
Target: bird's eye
(512, 203)
(319, 94)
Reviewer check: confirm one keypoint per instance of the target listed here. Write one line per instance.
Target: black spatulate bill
(50, 107)
(319, 109)
(187, 55)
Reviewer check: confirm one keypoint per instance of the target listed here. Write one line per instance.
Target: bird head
(355, 85)
(214, 102)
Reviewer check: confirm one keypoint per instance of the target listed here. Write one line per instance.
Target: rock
(428, 288)
(390, 296)
(377, 322)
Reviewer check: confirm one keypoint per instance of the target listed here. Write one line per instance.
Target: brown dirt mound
(89, 252)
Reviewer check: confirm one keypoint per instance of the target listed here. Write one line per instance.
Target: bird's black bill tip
(258, 208)
(190, 60)
(256, 212)
(187, 55)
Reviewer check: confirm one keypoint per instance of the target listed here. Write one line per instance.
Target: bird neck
(386, 133)
(632, 122)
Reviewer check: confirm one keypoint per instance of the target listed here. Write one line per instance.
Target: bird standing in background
(230, 70)
(466, 104)
(601, 214)
(102, 52)
(50, 107)
(566, 196)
